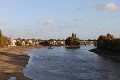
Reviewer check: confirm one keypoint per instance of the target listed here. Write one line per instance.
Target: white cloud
(48, 22)
(109, 6)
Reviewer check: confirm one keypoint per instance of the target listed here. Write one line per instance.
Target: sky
(57, 19)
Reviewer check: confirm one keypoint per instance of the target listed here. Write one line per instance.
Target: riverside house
(23, 43)
(12, 42)
(61, 42)
(55, 42)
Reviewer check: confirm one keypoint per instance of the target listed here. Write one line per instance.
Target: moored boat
(50, 47)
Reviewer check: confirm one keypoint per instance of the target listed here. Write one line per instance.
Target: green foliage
(1, 39)
(67, 41)
(18, 43)
(5, 41)
(76, 41)
(45, 42)
(72, 40)
(108, 43)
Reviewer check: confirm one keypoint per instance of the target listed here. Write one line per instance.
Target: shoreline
(13, 60)
(105, 53)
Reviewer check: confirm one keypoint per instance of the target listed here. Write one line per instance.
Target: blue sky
(47, 19)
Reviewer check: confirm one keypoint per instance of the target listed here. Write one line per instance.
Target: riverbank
(110, 54)
(13, 61)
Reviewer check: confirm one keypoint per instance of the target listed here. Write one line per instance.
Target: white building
(23, 43)
(12, 42)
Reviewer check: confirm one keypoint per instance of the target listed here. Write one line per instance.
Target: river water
(70, 64)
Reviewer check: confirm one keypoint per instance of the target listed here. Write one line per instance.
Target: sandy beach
(13, 61)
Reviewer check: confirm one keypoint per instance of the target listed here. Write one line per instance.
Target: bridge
(88, 42)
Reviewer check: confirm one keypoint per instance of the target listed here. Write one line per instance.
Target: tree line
(73, 40)
(3, 40)
(108, 42)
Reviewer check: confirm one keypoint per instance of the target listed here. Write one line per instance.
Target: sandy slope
(12, 62)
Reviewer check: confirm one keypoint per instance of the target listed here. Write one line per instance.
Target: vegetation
(45, 43)
(72, 40)
(18, 43)
(3, 40)
(108, 42)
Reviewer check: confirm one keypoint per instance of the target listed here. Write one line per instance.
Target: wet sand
(13, 61)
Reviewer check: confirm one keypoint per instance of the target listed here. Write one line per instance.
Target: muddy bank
(110, 54)
(13, 61)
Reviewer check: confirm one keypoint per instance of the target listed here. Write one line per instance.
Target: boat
(50, 47)
(72, 47)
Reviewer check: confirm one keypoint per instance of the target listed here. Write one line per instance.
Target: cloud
(109, 6)
(48, 22)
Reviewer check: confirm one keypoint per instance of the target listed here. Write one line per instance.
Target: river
(70, 64)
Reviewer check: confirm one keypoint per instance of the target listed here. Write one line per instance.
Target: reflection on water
(70, 64)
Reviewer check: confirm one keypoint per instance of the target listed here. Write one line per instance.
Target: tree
(1, 39)
(67, 41)
(108, 42)
(45, 42)
(5, 41)
(18, 43)
(72, 40)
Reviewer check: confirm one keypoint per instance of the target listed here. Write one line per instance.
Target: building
(23, 43)
(55, 42)
(12, 42)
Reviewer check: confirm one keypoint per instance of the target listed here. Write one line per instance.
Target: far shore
(13, 60)
(110, 54)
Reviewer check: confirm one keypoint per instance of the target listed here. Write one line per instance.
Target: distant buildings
(4, 41)
(55, 42)
(30, 42)
(12, 42)
(22, 42)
